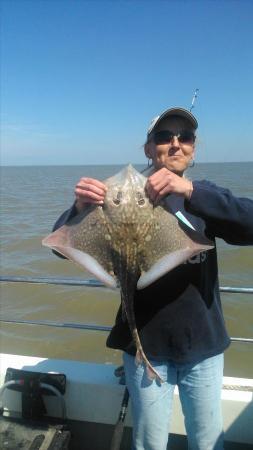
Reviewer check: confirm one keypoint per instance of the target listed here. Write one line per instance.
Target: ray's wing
(168, 246)
(86, 241)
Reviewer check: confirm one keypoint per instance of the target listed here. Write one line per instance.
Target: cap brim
(181, 112)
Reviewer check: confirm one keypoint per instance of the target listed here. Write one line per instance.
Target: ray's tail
(128, 274)
(141, 358)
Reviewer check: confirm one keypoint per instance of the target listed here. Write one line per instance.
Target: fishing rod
(195, 95)
(119, 426)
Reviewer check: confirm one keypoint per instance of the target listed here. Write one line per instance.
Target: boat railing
(92, 283)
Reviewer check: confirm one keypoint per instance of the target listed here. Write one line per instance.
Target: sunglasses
(166, 137)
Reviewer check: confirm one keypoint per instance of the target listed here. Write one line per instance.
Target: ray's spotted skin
(127, 241)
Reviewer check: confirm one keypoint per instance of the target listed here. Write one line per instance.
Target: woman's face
(172, 154)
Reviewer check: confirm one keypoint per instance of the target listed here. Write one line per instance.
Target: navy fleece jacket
(179, 317)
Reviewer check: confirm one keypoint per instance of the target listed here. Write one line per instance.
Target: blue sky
(81, 80)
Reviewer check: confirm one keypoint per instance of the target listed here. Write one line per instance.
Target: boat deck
(93, 398)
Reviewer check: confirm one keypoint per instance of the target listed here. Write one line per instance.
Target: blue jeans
(199, 388)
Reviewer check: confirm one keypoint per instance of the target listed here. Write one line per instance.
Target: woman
(179, 317)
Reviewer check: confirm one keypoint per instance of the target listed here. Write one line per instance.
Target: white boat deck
(93, 394)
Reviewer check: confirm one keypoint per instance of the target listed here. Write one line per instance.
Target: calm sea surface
(32, 199)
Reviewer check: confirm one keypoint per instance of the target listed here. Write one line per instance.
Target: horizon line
(118, 164)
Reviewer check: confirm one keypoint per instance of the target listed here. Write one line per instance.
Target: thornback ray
(127, 242)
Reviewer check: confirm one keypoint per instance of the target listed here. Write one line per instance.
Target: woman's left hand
(164, 182)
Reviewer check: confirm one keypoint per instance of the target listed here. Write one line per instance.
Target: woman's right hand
(89, 190)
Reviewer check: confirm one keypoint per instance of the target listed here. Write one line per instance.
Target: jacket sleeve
(227, 217)
(64, 218)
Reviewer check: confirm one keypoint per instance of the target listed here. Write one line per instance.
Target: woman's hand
(89, 190)
(165, 182)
